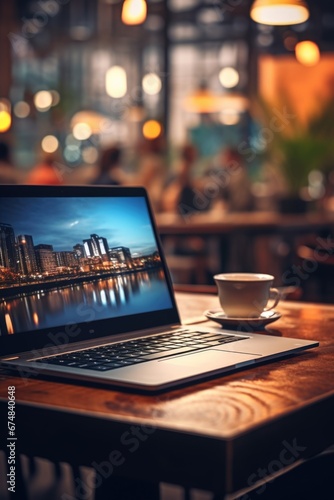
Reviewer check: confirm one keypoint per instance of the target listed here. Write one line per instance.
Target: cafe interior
(224, 115)
(222, 109)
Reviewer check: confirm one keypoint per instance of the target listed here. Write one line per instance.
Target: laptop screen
(84, 258)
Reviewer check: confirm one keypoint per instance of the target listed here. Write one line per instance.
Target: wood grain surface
(284, 400)
(224, 405)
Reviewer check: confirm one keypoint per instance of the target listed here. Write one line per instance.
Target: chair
(315, 267)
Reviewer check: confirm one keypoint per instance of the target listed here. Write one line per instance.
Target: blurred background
(77, 75)
(222, 109)
(173, 95)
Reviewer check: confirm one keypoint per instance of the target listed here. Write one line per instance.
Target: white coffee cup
(245, 295)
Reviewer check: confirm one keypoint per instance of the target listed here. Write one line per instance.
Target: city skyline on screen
(65, 222)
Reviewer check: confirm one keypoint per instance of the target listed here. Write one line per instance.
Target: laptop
(86, 295)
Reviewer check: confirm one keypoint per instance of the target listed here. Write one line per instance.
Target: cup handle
(276, 297)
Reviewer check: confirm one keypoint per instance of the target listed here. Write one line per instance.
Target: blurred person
(234, 188)
(233, 194)
(182, 193)
(47, 172)
(8, 173)
(110, 170)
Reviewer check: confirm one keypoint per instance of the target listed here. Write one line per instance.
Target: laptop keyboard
(118, 355)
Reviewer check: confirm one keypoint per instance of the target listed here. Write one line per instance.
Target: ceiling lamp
(235, 101)
(307, 53)
(202, 101)
(279, 12)
(134, 11)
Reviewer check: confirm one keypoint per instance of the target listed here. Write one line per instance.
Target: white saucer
(220, 317)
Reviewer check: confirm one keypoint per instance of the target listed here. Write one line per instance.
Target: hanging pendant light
(202, 100)
(134, 11)
(279, 12)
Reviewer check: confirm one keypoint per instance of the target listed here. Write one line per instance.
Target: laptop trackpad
(211, 360)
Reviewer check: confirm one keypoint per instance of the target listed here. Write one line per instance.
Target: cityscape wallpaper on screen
(70, 260)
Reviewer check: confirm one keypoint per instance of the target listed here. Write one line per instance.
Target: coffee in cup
(246, 295)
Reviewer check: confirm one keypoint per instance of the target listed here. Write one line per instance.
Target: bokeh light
(21, 109)
(307, 53)
(50, 144)
(151, 129)
(43, 100)
(82, 131)
(229, 77)
(151, 84)
(134, 12)
(55, 97)
(72, 153)
(116, 85)
(90, 155)
(5, 121)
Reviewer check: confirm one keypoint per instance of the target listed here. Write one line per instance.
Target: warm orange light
(202, 101)
(307, 53)
(151, 129)
(5, 115)
(9, 324)
(5, 121)
(279, 12)
(134, 11)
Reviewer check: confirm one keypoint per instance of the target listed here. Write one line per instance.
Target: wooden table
(263, 242)
(256, 222)
(212, 435)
